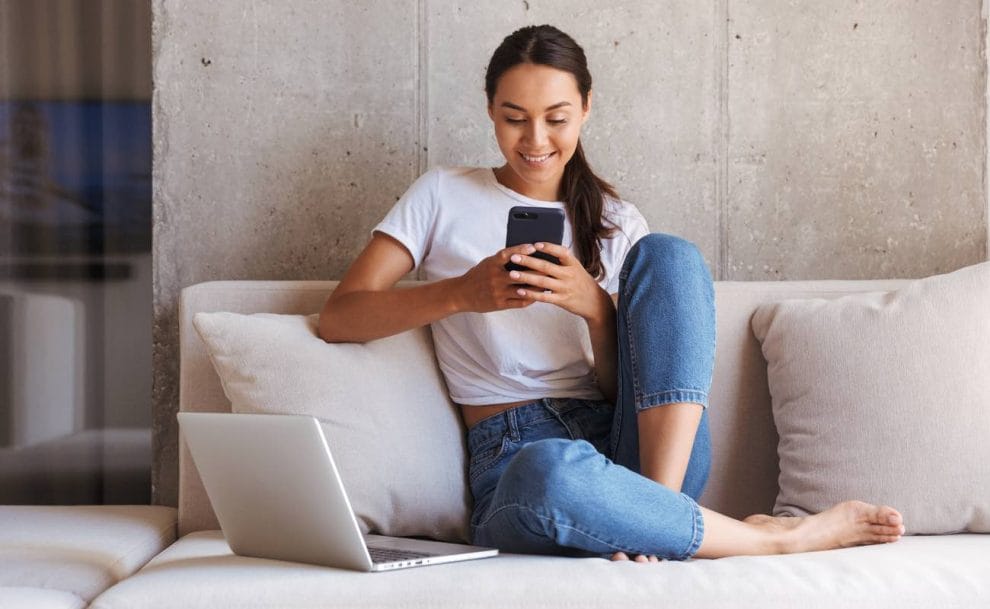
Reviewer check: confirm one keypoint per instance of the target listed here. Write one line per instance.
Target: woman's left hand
(567, 285)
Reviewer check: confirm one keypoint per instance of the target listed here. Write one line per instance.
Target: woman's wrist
(452, 295)
(604, 315)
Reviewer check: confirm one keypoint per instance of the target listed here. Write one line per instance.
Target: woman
(584, 385)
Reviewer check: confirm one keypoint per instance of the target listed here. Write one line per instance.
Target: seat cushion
(19, 597)
(50, 554)
(200, 571)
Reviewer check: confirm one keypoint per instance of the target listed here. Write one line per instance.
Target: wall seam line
(423, 89)
(985, 25)
(721, 39)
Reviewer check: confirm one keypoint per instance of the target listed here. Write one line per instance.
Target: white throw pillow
(395, 436)
(885, 397)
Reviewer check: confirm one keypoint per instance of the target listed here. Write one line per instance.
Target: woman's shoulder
(441, 178)
(623, 214)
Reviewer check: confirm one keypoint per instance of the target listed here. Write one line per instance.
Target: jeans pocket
(487, 455)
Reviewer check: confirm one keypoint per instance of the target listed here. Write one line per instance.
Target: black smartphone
(534, 225)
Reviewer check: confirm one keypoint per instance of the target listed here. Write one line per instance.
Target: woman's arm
(604, 345)
(366, 305)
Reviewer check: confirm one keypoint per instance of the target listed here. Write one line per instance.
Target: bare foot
(779, 523)
(850, 523)
(639, 557)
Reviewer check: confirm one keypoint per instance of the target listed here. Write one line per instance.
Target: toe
(889, 515)
(642, 558)
(886, 529)
(620, 556)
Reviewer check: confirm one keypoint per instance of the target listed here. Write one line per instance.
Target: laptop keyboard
(390, 555)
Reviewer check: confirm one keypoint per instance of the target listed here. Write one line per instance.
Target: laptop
(277, 494)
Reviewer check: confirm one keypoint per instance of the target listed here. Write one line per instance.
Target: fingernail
(521, 292)
(514, 275)
(539, 246)
(516, 258)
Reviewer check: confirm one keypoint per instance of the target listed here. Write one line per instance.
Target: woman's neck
(541, 192)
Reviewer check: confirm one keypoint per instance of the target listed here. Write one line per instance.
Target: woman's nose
(537, 133)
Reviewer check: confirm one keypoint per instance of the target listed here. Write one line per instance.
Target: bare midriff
(473, 414)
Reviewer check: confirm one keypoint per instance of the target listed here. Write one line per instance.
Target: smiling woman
(537, 140)
(584, 384)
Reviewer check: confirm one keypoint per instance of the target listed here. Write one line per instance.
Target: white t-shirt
(453, 217)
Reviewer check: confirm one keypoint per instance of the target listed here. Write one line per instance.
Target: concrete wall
(789, 140)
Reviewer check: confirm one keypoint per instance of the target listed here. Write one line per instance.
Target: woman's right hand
(487, 286)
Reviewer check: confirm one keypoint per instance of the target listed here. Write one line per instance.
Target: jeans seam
(587, 534)
(698, 529)
(671, 396)
(633, 362)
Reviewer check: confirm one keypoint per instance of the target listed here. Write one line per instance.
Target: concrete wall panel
(651, 133)
(856, 143)
(283, 132)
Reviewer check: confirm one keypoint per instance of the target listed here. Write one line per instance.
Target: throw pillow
(396, 438)
(885, 397)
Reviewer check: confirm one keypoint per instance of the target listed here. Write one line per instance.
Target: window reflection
(75, 252)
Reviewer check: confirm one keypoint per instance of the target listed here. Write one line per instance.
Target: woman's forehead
(536, 88)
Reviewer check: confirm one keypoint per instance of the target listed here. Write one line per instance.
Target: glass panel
(75, 252)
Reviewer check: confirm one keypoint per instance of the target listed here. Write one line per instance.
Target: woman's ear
(587, 107)
(491, 114)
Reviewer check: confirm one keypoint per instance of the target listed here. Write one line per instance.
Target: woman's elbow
(327, 324)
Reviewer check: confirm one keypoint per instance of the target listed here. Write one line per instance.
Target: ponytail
(584, 195)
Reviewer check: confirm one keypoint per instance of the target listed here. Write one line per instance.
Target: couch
(199, 570)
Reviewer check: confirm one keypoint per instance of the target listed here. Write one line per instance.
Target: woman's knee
(662, 247)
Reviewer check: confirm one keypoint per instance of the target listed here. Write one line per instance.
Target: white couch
(199, 569)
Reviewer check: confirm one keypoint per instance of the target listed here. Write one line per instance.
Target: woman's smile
(537, 162)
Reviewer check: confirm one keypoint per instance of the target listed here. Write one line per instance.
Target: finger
(538, 281)
(536, 264)
(539, 296)
(562, 253)
(523, 248)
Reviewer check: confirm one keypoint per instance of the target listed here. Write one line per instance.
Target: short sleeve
(412, 219)
(631, 227)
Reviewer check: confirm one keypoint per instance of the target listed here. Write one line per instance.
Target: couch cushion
(395, 436)
(199, 571)
(51, 553)
(39, 598)
(885, 397)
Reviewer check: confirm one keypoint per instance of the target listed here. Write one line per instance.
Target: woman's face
(538, 116)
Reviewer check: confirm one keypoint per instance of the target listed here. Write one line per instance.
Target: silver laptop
(277, 494)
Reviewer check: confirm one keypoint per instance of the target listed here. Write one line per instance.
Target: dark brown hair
(582, 191)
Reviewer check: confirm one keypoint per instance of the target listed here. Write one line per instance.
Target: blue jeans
(562, 476)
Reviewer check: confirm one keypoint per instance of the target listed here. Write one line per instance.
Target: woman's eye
(556, 121)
